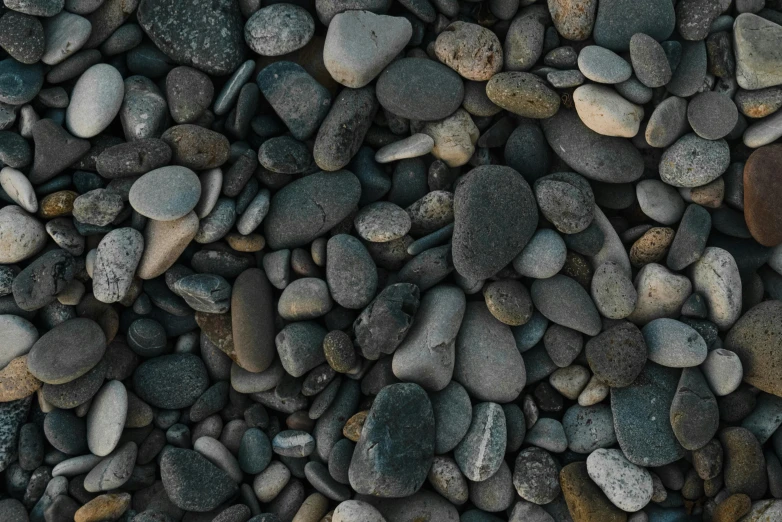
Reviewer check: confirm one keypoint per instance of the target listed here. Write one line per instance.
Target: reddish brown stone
(763, 195)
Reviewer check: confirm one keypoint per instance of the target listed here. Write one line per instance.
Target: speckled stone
(536, 476)
(192, 482)
(186, 31)
(523, 93)
(749, 338)
(420, 89)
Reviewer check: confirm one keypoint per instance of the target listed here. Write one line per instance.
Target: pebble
(694, 411)
(164, 242)
(278, 29)
(648, 439)
(420, 89)
(594, 156)
(723, 371)
(667, 123)
(95, 101)
(760, 214)
(166, 194)
(296, 97)
(617, 356)
(195, 147)
(67, 351)
(16, 381)
(690, 239)
(479, 454)
(656, 19)
(547, 434)
(321, 201)
(603, 65)
(626, 485)
(412, 147)
(477, 217)
(570, 380)
(508, 301)
(501, 376)
(107, 506)
(21, 235)
(573, 19)
(747, 339)
(19, 189)
(535, 476)
(604, 111)
(744, 468)
(379, 473)
(661, 293)
(674, 344)
(589, 427)
(469, 49)
(563, 301)
(566, 200)
(712, 115)
(196, 33)
(21, 82)
(152, 384)
(192, 482)
(360, 44)
(522, 93)
(447, 480)
(756, 60)
(650, 63)
(355, 510)
(189, 93)
(454, 138)
(119, 253)
(585, 500)
(716, 276)
(113, 471)
(19, 337)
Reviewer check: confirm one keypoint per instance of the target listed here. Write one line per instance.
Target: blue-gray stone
(19, 83)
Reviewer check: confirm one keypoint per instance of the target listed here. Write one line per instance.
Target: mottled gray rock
(618, 20)
(603, 65)
(674, 344)
(494, 218)
(758, 54)
(387, 431)
(481, 451)
(695, 415)
(667, 123)
(563, 301)
(716, 276)
(192, 482)
(536, 476)
(618, 355)
(119, 253)
(166, 194)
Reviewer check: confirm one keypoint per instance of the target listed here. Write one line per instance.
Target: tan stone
(354, 425)
(16, 382)
(313, 509)
(104, 507)
(57, 204)
(652, 246)
(248, 243)
(164, 242)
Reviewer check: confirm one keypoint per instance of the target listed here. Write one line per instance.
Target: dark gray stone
(171, 381)
(420, 89)
(192, 482)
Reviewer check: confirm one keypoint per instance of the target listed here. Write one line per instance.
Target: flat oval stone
(420, 89)
(712, 115)
(627, 486)
(446, 478)
(604, 111)
(144, 109)
(204, 35)
(189, 93)
(481, 451)
(355, 511)
(567, 201)
(192, 482)
(350, 272)
(563, 301)
(641, 417)
(667, 123)
(761, 191)
(452, 415)
(381, 222)
(106, 418)
(613, 292)
(133, 158)
(119, 253)
(166, 194)
(309, 207)
(78, 391)
(359, 44)
(494, 374)
(95, 101)
(594, 156)
(524, 94)
(67, 351)
(650, 63)
(603, 65)
(659, 201)
(477, 202)
(674, 344)
(750, 337)
(21, 235)
(401, 417)
(293, 443)
(693, 161)
(153, 380)
(255, 451)
(617, 356)
(716, 276)
(252, 318)
(279, 29)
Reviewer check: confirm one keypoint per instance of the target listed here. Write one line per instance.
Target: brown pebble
(248, 243)
(354, 425)
(57, 204)
(110, 506)
(709, 195)
(339, 351)
(732, 508)
(762, 194)
(744, 470)
(313, 509)
(586, 502)
(16, 382)
(652, 246)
